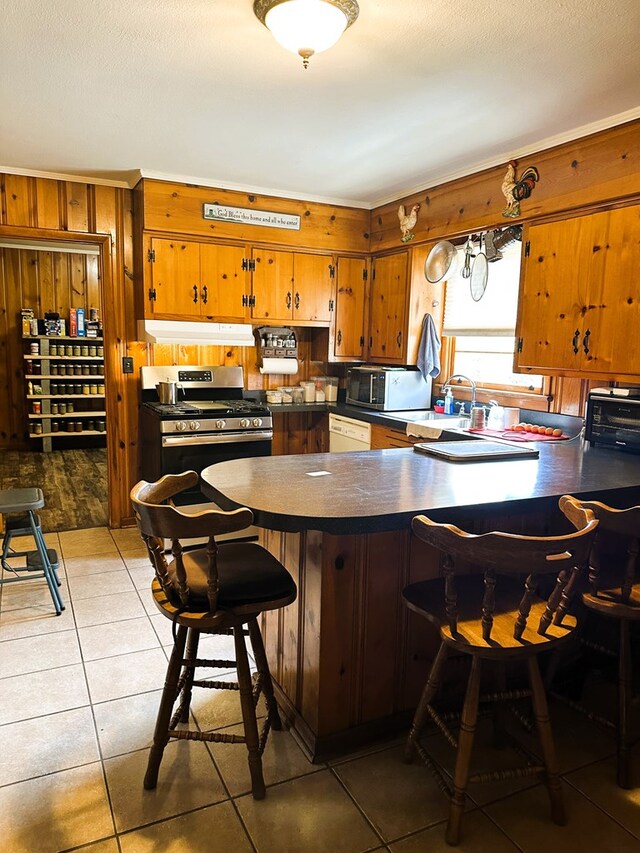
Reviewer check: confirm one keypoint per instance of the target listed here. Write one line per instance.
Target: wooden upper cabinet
(291, 287)
(175, 277)
(579, 303)
(272, 285)
(350, 308)
(387, 332)
(224, 281)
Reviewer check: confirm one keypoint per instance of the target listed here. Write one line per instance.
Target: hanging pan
(441, 262)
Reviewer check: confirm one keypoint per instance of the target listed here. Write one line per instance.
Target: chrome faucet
(470, 381)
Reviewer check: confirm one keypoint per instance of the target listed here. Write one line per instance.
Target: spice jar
(85, 370)
(84, 350)
(34, 348)
(93, 351)
(54, 369)
(100, 351)
(70, 426)
(55, 426)
(78, 426)
(53, 349)
(86, 389)
(68, 349)
(77, 369)
(37, 428)
(77, 388)
(101, 389)
(54, 388)
(36, 407)
(63, 408)
(91, 426)
(101, 426)
(93, 389)
(69, 407)
(54, 408)
(93, 369)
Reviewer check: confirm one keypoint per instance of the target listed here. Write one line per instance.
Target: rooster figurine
(515, 191)
(408, 221)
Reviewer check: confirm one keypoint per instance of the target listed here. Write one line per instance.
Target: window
(483, 332)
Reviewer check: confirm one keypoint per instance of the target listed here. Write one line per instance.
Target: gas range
(212, 401)
(212, 416)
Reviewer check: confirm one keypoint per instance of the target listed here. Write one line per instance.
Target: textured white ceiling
(415, 90)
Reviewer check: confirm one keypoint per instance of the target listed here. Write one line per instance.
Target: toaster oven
(613, 420)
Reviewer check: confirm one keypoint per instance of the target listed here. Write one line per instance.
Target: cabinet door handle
(585, 342)
(195, 294)
(296, 304)
(399, 340)
(339, 338)
(576, 338)
(288, 299)
(205, 294)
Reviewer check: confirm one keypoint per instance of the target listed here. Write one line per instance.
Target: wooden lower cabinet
(383, 437)
(300, 432)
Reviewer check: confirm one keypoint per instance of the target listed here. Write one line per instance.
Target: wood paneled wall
(598, 170)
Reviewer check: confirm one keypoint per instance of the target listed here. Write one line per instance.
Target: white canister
(511, 417)
(309, 391)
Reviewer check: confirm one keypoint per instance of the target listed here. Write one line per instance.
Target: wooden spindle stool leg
(249, 714)
(624, 697)
(463, 756)
(263, 668)
(161, 733)
(543, 724)
(191, 654)
(429, 691)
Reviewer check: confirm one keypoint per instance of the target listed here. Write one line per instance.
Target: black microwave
(613, 421)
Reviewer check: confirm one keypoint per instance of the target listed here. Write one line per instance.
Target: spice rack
(62, 373)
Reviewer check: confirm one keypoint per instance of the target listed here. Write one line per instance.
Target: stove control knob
(221, 424)
(257, 422)
(245, 422)
(181, 426)
(194, 425)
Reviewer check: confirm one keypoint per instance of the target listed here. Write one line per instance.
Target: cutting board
(475, 450)
(512, 435)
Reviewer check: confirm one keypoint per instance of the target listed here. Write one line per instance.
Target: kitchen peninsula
(349, 660)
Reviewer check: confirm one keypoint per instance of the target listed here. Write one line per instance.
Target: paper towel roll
(286, 366)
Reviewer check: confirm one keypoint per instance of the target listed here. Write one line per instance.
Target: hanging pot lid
(479, 274)
(441, 261)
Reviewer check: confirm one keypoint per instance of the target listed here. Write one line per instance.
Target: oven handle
(216, 438)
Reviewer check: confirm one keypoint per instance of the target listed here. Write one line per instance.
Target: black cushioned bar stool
(18, 507)
(220, 588)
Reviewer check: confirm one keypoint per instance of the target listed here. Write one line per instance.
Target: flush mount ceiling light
(306, 26)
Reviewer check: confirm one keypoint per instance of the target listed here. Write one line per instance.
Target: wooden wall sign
(247, 216)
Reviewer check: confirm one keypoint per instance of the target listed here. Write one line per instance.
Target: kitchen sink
(424, 415)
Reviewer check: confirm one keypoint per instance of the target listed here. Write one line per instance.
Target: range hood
(184, 332)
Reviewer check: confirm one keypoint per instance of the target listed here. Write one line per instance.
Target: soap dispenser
(448, 403)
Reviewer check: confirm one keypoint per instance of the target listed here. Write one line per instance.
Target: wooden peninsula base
(348, 658)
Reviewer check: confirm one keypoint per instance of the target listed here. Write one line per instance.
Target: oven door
(193, 452)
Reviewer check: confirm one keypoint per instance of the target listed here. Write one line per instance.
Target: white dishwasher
(348, 434)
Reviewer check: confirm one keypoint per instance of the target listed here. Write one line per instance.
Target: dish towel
(429, 349)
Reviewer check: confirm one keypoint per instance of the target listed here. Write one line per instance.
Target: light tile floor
(78, 697)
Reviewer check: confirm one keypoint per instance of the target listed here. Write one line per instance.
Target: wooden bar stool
(614, 593)
(18, 506)
(216, 589)
(504, 614)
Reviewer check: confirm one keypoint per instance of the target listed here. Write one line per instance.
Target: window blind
(495, 313)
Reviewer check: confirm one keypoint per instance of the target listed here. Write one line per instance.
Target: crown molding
(62, 176)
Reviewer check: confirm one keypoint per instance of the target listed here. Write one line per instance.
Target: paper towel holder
(275, 342)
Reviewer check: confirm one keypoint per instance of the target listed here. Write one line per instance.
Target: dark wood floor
(74, 483)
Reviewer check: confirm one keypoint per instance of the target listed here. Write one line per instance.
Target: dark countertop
(377, 490)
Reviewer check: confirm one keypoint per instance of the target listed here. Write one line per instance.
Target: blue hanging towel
(429, 349)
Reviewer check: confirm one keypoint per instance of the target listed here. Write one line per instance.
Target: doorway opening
(53, 432)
